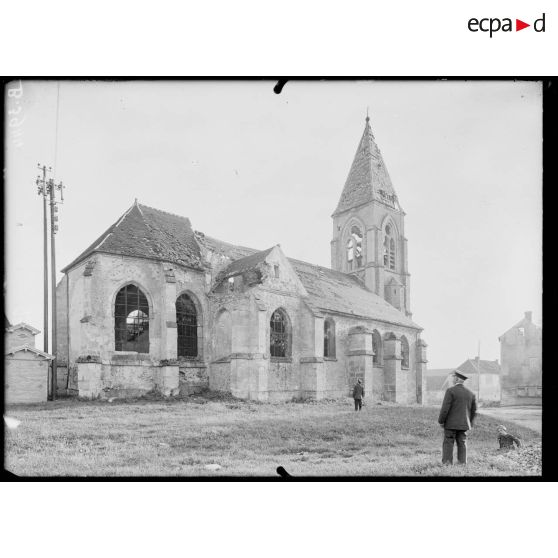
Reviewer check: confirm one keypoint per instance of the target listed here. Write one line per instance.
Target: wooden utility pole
(48, 188)
(53, 230)
(42, 191)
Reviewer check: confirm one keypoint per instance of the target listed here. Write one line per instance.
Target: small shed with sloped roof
(26, 368)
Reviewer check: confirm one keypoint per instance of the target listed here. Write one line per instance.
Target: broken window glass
(131, 320)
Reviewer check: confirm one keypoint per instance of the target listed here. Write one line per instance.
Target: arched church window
(131, 320)
(187, 327)
(389, 247)
(354, 248)
(404, 352)
(329, 338)
(377, 348)
(280, 335)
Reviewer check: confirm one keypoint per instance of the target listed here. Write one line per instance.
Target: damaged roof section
(225, 249)
(250, 263)
(253, 269)
(335, 291)
(146, 232)
(328, 290)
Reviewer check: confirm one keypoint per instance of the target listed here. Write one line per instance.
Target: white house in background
(439, 379)
(489, 373)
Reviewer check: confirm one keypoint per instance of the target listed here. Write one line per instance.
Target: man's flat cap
(460, 375)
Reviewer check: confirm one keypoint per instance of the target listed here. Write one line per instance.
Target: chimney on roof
(529, 316)
(476, 358)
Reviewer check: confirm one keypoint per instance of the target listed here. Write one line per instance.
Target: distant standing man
(456, 417)
(358, 395)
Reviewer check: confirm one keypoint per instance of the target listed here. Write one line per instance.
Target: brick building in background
(26, 368)
(521, 358)
(154, 305)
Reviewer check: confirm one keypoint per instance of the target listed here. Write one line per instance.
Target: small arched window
(354, 249)
(377, 348)
(329, 338)
(280, 335)
(187, 327)
(404, 352)
(389, 247)
(131, 320)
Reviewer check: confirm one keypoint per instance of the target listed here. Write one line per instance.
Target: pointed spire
(368, 177)
(367, 125)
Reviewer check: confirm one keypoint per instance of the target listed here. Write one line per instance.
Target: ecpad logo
(493, 25)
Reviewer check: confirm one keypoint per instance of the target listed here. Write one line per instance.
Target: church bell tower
(368, 227)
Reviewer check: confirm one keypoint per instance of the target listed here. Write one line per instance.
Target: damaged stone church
(153, 305)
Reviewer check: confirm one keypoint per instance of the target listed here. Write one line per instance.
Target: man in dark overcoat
(456, 417)
(358, 394)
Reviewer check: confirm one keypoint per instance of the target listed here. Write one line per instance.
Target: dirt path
(529, 417)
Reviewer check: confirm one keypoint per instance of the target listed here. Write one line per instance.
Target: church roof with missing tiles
(368, 177)
(335, 291)
(150, 233)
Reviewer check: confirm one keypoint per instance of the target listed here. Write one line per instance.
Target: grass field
(181, 437)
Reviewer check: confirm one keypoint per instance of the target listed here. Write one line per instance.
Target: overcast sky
(255, 168)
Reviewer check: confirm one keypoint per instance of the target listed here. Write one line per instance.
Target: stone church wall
(92, 290)
(220, 378)
(341, 373)
(233, 339)
(284, 375)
